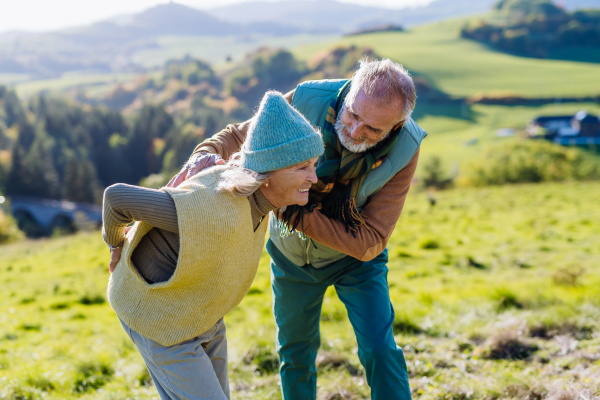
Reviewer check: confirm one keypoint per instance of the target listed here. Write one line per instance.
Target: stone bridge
(40, 217)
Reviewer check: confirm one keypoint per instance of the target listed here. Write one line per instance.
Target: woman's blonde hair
(238, 180)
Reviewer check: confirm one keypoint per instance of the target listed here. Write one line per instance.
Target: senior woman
(195, 250)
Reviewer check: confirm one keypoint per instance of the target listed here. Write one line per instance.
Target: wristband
(115, 247)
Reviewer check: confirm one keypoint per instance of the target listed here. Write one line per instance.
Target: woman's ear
(267, 182)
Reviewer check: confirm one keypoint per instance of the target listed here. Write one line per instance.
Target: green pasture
(480, 272)
(464, 68)
(71, 81)
(458, 134)
(216, 49)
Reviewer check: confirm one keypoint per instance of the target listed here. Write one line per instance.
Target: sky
(44, 15)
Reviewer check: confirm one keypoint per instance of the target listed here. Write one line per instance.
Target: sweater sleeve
(380, 214)
(230, 139)
(124, 204)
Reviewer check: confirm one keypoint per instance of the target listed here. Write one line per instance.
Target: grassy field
(68, 81)
(496, 291)
(215, 49)
(458, 134)
(464, 68)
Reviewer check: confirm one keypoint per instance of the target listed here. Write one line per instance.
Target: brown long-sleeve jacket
(380, 214)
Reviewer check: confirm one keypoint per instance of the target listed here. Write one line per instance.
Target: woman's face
(290, 185)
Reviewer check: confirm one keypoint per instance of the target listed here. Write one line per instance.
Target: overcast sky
(45, 15)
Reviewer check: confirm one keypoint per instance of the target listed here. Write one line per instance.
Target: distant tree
(142, 154)
(434, 175)
(80, 182)
(109, 162)
(16, 179)
(263, 70)
(34, 173)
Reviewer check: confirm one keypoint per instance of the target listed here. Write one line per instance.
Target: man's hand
(190, 169)
(115, 255)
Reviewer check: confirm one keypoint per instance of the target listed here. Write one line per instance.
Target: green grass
(506, 261)
(76, 81)
(458, 134)
(215, 50)
(464, 68)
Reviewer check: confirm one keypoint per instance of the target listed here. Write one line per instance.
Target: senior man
(340, 237)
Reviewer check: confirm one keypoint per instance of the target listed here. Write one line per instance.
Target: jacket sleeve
(380, 214)
(230, 139)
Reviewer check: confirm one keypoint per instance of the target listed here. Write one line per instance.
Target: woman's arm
(124, 204)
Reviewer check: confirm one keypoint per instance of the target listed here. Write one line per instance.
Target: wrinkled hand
(193, 167)
(115, 255)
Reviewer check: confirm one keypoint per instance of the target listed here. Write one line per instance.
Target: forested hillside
(536, 27)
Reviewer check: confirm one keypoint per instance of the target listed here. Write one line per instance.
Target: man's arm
(224, 143)
(230, 139)
(380, 214)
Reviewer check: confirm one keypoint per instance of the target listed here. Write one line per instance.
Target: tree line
(535, 27)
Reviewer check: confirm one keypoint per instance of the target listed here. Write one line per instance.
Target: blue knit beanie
(279, 137)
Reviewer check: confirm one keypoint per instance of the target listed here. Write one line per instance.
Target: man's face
(364, 123)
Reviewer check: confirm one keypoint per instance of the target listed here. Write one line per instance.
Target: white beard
(343, 132)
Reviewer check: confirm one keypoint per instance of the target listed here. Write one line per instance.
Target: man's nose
(355, 130)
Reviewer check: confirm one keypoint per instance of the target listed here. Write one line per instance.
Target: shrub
(91, 376)
(404, 325)
(568, 276)
(264, 359)
(507, 343)
(144, 379)
(434, 174)
(89, 300)
(532, 161)
(507, 299)
(429, 243)
(9, 232)
(41, 382)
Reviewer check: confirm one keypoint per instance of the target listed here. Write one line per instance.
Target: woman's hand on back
(192, 167)
(115, 255)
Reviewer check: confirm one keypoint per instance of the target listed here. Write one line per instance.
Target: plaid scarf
(340, 174)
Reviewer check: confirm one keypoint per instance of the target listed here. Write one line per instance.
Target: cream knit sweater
(218, 258)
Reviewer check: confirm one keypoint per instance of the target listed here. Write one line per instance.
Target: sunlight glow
(40, 15)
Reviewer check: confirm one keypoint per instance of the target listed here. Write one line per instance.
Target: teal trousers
(363, 288)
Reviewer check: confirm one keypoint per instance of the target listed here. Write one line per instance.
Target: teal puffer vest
(312, 99)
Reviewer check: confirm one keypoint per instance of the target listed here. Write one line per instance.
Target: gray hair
(385, 81)
(238, 180)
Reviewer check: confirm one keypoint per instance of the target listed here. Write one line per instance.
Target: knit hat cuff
(284, 155)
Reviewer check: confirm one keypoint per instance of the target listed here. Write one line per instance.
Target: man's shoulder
(327, 85)
(414, 130)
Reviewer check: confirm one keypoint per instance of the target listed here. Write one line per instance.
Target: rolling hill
(333, 16)
(107, 46)
(465, 68)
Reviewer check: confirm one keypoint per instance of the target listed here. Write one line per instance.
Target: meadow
(460, 134)
(496, 292)
(466, 68)
(457, 66)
